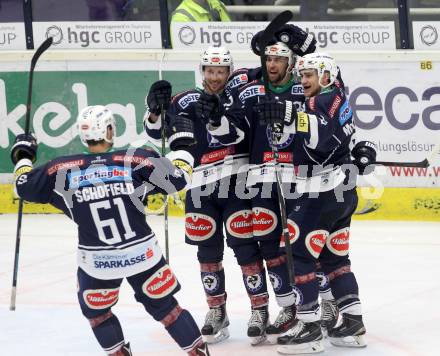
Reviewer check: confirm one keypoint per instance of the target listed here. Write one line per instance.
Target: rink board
(419, 204)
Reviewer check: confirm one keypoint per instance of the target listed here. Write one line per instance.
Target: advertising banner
(426, 35)
(58, 96)
(12, 36)
(396, 104)
(347, 35)
(100, 34)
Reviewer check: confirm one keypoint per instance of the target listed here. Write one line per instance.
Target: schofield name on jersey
(188, 99)
(251, 91)
(104, 191)
(101, 174)
(121, 261)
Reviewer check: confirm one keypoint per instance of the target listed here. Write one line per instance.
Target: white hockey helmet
(92, 123)
(280, 49)
(216, 56)
(321, 62)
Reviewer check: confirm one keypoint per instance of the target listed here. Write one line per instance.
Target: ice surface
(397, 265)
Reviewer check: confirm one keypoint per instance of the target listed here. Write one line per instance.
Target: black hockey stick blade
(40, 50)
(422, 164)
(277, 22)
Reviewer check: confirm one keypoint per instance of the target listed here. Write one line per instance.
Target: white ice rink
(397, 265)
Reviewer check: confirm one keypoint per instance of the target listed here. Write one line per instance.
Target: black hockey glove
(272, 111)
(158, 95)
(255, 42)
(298, 40)
(364, 154)
(210, 109)
(180, 132)
(25, 146)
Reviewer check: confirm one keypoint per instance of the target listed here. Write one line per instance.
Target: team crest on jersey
(251, 91)
(345, 113)
(282, 140)
(97, 175)
(253, 282)
(210, 281)
(299, 298)
(188, 99)
(324, 281)
(276, 281)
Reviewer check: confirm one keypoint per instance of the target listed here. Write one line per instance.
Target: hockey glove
(298, 40)
(255, 42)
(272, 111)
(180, 132)
(364, 154)
(158, 96)
(25, 146)
(210, 109)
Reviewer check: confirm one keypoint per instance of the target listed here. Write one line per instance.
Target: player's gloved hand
(272, 111)
(25, 146)
(159, 95)
(364, 154)
(210, 109)
(180, 132)
(298, 40)
(255, 42)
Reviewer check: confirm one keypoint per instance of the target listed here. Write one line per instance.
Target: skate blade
(258, 340)
(348, 341)
(312, 347)
(221, 335)
(272, 339)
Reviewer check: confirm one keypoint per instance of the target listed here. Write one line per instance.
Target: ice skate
(303, 338)
(350, 333)
(257, 325)
(284, 321)
(216, 325)
(200, 350)
(329, 315)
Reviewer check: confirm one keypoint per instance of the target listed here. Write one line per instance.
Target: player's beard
(213, 89)
(276, 79)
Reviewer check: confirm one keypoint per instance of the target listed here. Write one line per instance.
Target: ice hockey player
(326, 199)
(103, 191)
(211, 202)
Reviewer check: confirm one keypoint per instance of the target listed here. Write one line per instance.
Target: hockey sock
(213, 280)
(182, 328)
(108, 332)
(254, 277)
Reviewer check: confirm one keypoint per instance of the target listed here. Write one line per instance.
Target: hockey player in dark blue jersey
(212, 203)
(103, 193)
(325, 199)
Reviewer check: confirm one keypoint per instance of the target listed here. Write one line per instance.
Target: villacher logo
(187, 35)
(429, 35)
(56, 33)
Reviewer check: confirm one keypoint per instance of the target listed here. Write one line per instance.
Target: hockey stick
(163, 137)
(43, 47)
(165, 212)
(280, 20)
